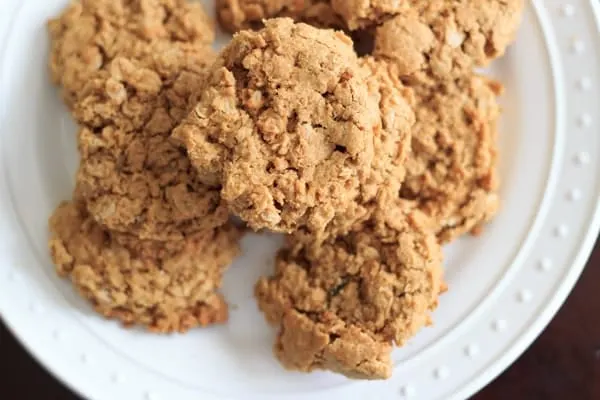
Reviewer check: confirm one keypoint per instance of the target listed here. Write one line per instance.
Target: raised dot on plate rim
(585, 120)
(582, 158)
(562, 231)
(150, 396)
(407, 391)
(545, 264)
(116, 378)
(524, 296)
(35, 307)
(499, 325)
(471, 350)
(568, 10)
(574, 195)
(441, 373)
(578, 46)
(584, 83)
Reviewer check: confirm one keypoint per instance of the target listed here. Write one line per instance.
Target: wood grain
(563, 363)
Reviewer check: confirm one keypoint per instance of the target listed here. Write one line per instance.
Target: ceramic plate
(505, 285)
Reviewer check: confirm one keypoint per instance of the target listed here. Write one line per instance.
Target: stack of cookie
(143, 238)
(367, 164)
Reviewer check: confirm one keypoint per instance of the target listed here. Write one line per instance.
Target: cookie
(341, 305)
(163, 286)
(133, 177)
(451, 173)
(392, 146)
(448, 38)
(286, 123)
(235, 15)
(365, 14)
(89, 34)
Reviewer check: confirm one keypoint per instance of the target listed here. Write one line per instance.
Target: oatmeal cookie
(341, 305)
(391, 148)
(89, 34)
(364, 14)
(448, 38)
(235, 15)
(163, 286)
(133, 176)
(451, 172)
(287, 124)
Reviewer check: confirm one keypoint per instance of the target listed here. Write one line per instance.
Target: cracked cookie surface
(133, 176)
(392, 144)
(341, 305)
(448, 38)
(451, 173)
(364, 14)
(163, 286)
(286, 124)
(235, 15)
(89, 34)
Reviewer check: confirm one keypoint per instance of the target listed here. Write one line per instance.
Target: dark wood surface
(564, 363)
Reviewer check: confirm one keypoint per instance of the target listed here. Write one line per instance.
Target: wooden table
(564, 363)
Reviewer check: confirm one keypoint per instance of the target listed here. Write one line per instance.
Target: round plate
(505, 286)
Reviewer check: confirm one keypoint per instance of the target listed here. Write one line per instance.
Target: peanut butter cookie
(451, 173)
(163, 286)
(235, 15)
(448, 38)
(341, 305)
(363, 14)
(133, 177)
(391, 146)
(89, 34)
(286, 123)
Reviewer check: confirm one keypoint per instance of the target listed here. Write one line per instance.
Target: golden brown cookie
(89, 34)
(133, 177)
(235, 15)
(391, 148)
(451, 173)
(163, 286)
(448, 38)
(340, 305)
(287, 124)
(362, 14)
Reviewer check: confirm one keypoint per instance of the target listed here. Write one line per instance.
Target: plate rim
(491, 371)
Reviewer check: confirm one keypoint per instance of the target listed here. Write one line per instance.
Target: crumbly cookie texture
(89, 34)
(341, 305)
(391, 148)
(448, 38)
(451, 173)
(364, 14)
(163, 286)
(287, 124)
(235, 15)
(133, 176)
(327, 342)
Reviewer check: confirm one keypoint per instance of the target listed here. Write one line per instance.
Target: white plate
(505, 285)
